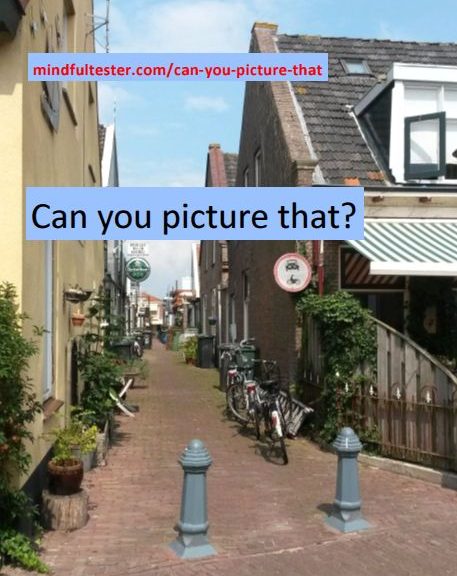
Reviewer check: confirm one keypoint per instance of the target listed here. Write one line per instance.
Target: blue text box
(325, 213)
(309, 67)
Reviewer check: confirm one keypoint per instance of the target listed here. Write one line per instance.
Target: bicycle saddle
(268, 383)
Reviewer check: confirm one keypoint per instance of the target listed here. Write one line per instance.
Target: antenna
(100, 21)
(107, 30)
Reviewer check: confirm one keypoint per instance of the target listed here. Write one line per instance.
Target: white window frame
(417, 76)
(246, 177)
(257, 168)
(246, 296)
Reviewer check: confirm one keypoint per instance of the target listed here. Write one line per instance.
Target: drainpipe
(320, 266)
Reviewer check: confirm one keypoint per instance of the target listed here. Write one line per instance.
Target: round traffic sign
(137, 269)
(292, 272)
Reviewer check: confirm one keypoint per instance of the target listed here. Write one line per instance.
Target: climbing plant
(18, 409)
(348, 341)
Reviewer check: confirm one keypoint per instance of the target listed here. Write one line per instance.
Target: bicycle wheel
(236, 401)
(282, 444)
(257, 423)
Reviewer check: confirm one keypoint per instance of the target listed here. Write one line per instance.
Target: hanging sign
(137, 269)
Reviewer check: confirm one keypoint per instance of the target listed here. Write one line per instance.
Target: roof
(101, 138)
(342, 150)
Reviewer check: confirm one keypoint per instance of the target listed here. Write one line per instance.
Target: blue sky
(164, 129)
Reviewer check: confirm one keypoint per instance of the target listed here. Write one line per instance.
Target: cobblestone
(265, 518)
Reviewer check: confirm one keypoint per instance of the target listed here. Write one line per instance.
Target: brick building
(220, 172)
(385, 120)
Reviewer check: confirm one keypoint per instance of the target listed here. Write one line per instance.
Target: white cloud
(111, 96)
(170, 261)
(174, 172)
(182, 26)
(206, 103)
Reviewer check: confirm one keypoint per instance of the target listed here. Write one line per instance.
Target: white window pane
(450, 103)
(420, 101)
(451, 141)
(425, 142)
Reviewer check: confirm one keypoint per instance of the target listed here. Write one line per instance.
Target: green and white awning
(410, 247)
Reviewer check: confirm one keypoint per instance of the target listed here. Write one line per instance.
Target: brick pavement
(265, 518)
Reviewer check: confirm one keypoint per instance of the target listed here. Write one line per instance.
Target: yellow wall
(11, 161)
(33, 154)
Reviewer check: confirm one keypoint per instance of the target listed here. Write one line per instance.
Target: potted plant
(77, 318)
(65, 470)
(83, 438)
(190, 350)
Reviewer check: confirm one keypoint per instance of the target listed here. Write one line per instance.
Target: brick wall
(271, 125)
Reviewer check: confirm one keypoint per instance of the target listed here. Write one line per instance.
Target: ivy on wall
(348, 341)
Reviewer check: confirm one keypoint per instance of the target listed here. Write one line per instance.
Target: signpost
(292, 272)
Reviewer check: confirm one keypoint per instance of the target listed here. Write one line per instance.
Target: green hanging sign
(137, 269)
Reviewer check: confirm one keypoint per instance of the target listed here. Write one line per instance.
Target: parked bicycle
(257, 399)
(239, 372)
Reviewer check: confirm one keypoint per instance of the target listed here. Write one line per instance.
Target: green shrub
(18, 409)
(190, 347)
(348, 341)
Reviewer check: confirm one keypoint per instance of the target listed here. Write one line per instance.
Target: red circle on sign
(292, 272)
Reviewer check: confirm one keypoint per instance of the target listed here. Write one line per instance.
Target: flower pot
(77, 319)
(101, 452)
(65, 478)
(88, 459)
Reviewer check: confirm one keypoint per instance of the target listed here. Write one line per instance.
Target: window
(232, 319)
(412, 121)
(425, 146)
(246, 177)
(355, 66)
(257, 167)
(213, 257)
(246, 293)
(66, 43)
(50, 97)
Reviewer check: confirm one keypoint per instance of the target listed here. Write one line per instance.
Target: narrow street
(264, 518)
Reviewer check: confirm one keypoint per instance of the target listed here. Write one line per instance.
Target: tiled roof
(101, 138)
(230, 163)
(342, 151)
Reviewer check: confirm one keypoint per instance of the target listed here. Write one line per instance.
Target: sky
(164, 129)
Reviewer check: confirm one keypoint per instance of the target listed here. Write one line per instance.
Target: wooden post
(65, 512)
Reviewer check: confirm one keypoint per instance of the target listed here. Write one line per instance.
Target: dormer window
(425, 146)
(355, 66)
(412, 120)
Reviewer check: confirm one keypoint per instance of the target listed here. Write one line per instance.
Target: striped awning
(410, 247)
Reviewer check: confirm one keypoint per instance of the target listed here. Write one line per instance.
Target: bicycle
(266, 393)
(239, 373)
(270, 411)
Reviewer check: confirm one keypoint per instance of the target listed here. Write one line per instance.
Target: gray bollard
(192, 541)
(346, 515)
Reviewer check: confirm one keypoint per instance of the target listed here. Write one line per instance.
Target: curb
(439, 477)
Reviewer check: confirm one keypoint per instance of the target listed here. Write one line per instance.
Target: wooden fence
(412, 404)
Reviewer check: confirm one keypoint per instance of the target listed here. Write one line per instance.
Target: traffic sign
(292, 272)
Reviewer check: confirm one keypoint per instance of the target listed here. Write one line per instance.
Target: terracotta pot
(65, 478)
(77, 319)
